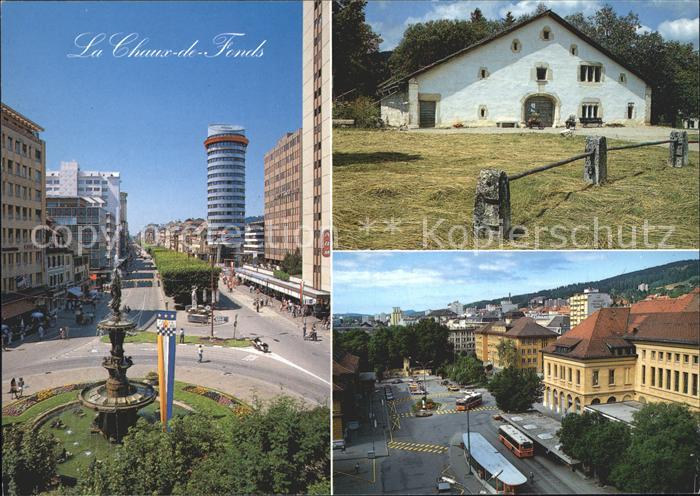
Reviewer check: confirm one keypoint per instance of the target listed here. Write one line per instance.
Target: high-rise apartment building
(226, 146)
(23, 209)
(316, 144)
(583, 305)
(283, 197)
(71, 182)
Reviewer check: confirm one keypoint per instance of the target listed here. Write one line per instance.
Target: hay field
(403, 190)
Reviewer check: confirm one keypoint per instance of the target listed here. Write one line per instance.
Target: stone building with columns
(647, 353)
(542, 67)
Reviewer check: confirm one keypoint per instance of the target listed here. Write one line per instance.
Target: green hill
(674, 279)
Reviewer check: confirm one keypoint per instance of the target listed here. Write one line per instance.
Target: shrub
(181, 273)
(280, 274)
(363, 110)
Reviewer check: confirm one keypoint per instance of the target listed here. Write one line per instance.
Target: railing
(492, 208)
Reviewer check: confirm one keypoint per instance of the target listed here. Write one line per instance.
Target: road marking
(249, 358)
(450, 411)
(435, 449)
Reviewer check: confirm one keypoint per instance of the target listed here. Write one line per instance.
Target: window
(483, 73)
(595, 377)
(541, 73)
(685, 358)
(590, 73)
(668, 379)
(644, 354)
(569, 374)
(573, 50)
(694, 389)
(549, 369)
(623, 78)
(678, 357)
(589, 110)
(644, 374)
(611, 377)
(653, 376)
(515, 46)
(630, 110)
(661, 377)
(546, 34)
(483, 112)
(578, 377)
(685, 382)
(676, 380)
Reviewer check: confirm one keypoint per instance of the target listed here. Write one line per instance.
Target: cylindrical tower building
(226, 146)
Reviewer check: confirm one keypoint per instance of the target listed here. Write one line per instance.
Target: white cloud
(388, 278)
(561, 7)
(497, 266)
(644, 29)
(682, 29)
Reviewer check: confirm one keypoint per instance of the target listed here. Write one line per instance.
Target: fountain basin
(95, 397)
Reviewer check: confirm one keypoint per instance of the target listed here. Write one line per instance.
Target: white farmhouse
(543, 68)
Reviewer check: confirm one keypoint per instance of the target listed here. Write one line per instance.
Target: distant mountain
(674, 278)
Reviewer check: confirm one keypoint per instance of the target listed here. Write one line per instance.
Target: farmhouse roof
(515, 27)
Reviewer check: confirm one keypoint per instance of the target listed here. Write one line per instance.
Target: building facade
(316, 144)
(226, 148)
(23, 209)
(123, 225)
(71, 181)
(254, 244)
(647, 352)
(543, 68)
(283, 197)
(527, 337)
(583, 305)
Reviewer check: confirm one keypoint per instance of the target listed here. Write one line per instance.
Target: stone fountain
(117, 400)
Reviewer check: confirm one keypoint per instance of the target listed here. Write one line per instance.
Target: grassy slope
(382, 175)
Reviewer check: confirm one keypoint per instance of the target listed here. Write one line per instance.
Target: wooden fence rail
(492, 208)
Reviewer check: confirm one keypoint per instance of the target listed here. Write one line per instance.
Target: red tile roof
(675, 321)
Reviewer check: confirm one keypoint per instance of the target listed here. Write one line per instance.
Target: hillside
(674, 278)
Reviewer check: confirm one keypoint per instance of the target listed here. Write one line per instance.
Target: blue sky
(148, 117)
(373, 282)
(674, 19)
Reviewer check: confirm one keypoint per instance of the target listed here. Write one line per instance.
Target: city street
(420, 450)
(294, 367)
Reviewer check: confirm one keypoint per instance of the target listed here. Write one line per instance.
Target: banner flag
(166, 324)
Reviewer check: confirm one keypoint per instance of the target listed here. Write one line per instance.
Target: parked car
(452, 387)
(397, 381)
(424, 413)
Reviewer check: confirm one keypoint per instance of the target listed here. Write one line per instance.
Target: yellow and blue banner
(166, 323)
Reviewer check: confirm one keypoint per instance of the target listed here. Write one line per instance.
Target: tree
(516, 390)
(291, 263)
(28, 460)
(509, 20)
(356, 342)
(357, 64)
(507, 353)
(665, 435)
(477, 16)
(467, 370)
(427, 42)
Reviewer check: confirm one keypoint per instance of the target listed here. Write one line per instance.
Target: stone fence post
(492, 203)
(595, 167)
(678, 149)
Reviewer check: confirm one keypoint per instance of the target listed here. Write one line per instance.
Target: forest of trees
(359, 67)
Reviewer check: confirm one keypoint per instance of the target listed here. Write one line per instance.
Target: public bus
(470, 401)
(516, 441)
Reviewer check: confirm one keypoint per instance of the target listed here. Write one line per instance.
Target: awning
(75, 292)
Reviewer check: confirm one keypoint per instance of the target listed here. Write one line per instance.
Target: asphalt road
(295, 366)
(411, 471)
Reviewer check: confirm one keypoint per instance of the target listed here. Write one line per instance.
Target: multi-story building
(70, 181)
(123, 225)
(283, 197)
(396, 316)
(198, 243)
(316, 145)
(456, 307)
(226, 146)
(23, 209)
(647, 352)
(462, 335)
(85, 218)
(587, 303)
(254, 245)
(526, 335)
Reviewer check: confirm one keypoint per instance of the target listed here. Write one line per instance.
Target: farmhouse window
(591, 73)
(574, 50)
(483, 73)
(541, 73)
(482, 114)
(589, 110)
(623, 78)
(546, 34)
(515, 46)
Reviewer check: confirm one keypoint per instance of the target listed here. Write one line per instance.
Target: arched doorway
(611, 399)
(577, 405)
(627, 398)
(595, 401)
(542, 107)
(555, 403)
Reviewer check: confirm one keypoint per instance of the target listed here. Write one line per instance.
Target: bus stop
(491, 466)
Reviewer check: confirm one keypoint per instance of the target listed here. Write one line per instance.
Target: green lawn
(421, 186)
(41, 407)
(150, 337)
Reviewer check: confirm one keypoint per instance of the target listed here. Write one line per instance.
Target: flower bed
(221, 398)
(17, 408)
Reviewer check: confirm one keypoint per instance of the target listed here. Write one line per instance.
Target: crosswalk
(435, 449)
(448, 411)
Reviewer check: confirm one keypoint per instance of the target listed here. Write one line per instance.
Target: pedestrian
(182, 335)
(20, 387)
(304, 330)
(13, 388)
(532, 476)
(41, 332)
(4, 341)
(61, 333)
(200, 352)
(357, 468)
